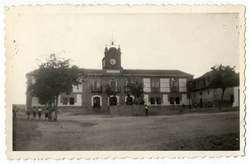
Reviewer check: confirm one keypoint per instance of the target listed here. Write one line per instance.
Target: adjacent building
(205, 96)
(161, 87)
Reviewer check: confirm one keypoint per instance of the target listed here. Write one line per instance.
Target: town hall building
(161, 87)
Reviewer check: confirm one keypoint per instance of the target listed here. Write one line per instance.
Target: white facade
(77, 102)
(185, 100)
(77, 88)
(165, 100)
(236, 97)
(35, 102)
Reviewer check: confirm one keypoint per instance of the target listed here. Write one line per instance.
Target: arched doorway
(129, 100)
(96, 102)
(112, 101)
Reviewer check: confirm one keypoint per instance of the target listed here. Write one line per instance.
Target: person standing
(146, 110)
(39, 112)
(28, 113)
(34, 113)
(47, 114)
(183, 107)
(53, 115)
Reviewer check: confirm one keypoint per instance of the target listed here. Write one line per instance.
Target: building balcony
(155, 89)
(199, 88)
(96, 89)
(117, 89)
(126, 89)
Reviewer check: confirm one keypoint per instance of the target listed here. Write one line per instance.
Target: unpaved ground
(104, 132)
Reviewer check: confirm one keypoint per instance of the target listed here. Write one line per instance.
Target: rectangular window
(183, 85)
(171, 100)
(146, 83)
(71, 101)
(113, 85)
(177, 100)
(65, 100)
(164, 84)
(127, 84)
(155, 100)
(174, 85)
(152, 100)
(155, 84)
(96, 85)
(158, 100)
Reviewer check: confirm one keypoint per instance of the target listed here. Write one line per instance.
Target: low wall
(127, 110)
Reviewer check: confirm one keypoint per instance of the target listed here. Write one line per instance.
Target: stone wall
(127, 110)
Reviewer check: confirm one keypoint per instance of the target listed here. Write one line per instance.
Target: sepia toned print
(120, 81)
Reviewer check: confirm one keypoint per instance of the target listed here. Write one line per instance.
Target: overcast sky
(192, 43)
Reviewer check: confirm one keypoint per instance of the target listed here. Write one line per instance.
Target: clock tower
(111, 63)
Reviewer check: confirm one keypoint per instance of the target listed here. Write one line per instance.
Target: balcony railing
(155, 89)
(96, 89)
(126, 89)
(117, 89)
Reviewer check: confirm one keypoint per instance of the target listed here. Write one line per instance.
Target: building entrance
(96, 104)
(112, 101)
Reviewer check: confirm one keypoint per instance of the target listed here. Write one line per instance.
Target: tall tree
(223, 77)
(109, 91)
(135, 89)
(55, 76)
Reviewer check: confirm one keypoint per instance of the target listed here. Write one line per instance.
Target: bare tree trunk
(50, 108)
(221, 101)
(56, 105)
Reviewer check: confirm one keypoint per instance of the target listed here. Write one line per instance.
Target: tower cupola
(111, 62)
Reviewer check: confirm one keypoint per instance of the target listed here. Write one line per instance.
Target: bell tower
(111, 63)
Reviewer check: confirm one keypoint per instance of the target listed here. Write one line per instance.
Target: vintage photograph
(99, 78)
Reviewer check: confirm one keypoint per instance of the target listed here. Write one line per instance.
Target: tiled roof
(151, 72)
(137, 72)
(91, 71)
(142, 72)
(207, 74)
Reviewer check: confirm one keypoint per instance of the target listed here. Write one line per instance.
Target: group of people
(38, 111)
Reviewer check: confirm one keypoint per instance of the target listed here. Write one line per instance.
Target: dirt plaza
(78, 131)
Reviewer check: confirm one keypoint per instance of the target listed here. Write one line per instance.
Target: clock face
(112, 61)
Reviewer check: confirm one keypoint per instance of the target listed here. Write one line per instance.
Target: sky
(192, 43)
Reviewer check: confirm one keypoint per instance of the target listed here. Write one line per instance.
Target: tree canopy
(109, 91)
(55, 76)
(223, 77)
(135, 89)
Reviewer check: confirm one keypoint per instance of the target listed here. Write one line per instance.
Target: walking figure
(34, 113)
(195, 105)
(39, 112)
(28, 113)
(183, 107)
(146, 110)
(47, 114)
